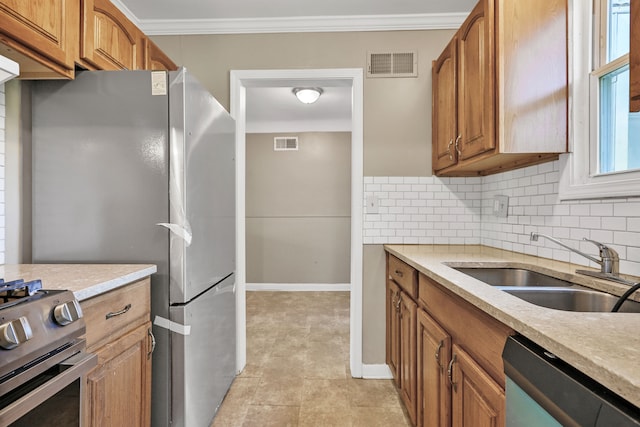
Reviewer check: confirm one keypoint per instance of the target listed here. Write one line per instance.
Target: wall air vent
(285, 143)
(392, 64)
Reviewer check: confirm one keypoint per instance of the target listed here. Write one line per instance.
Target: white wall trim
(239, 81)
(299, 287)
(376, 372)
(305, 24)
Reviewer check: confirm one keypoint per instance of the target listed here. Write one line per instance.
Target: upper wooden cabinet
(506, 72)
(634, 59)
(40, 35)
(444, 112)
(156, 59)
(49, 38)
(109, 40)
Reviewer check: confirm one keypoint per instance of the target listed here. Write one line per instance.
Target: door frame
(239, 81)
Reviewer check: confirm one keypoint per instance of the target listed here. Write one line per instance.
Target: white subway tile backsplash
(460, 211)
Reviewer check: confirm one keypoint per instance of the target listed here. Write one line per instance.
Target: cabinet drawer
(112, 315)
(404, 275)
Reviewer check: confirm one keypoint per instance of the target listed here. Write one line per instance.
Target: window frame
(577, 180)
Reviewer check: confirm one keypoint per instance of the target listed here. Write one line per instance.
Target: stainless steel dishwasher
(544, 391)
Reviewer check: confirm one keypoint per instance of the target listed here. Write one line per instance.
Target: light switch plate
(500, 206)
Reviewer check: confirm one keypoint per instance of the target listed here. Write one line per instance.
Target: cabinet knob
(14, 333)
(457, 145)
(399, 273)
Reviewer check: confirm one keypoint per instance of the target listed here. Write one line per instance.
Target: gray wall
(298, 209)
(397, 111)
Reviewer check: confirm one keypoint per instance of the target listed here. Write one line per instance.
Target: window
(605, 142)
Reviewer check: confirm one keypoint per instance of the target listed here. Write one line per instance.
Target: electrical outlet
(372, 204)
(500, 206)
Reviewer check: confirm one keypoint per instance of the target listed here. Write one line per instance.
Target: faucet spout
(609, 260)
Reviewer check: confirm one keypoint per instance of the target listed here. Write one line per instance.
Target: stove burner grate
(18, 289)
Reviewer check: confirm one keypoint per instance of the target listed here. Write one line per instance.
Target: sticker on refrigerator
(158, 83)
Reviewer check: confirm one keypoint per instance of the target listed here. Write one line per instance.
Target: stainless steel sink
(573, 299)
(496, 276)
(547, 291)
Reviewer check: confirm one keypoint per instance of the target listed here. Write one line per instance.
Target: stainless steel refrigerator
(138, 167)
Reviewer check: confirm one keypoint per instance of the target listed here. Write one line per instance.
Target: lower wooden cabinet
(477, 400)
(445, 355)
(401, 344)
(434, 389)
(118, 390)
(408, 380)
(393, 329)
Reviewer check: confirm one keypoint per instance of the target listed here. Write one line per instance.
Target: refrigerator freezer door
(204, 354)
(202, 188)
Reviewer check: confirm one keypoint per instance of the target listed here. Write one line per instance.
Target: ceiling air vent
(392, 64)
(285, 143)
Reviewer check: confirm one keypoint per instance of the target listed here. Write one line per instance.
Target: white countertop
(605, 346)
(84, 280)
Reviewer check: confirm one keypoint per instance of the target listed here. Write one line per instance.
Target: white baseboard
(298, 287)
(376, 372)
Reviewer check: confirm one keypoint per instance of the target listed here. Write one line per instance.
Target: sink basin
(573, 299)
(517, 277)
(547, 291)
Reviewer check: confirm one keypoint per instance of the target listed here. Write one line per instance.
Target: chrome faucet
(609, 260)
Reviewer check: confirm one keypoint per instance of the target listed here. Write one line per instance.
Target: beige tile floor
(297, 371)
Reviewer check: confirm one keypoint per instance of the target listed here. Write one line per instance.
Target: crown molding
(300, 24)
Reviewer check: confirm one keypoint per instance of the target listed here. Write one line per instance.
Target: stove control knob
(14, 333)
(67, 312)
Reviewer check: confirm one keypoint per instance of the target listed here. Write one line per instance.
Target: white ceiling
(275, 108)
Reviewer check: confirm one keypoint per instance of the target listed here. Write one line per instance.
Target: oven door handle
(77, 366)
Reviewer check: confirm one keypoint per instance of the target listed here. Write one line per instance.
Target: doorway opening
(352, 78)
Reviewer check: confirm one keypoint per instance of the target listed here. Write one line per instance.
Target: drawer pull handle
(399, 273)
(450, 372)
(118, 313)
(438, 354)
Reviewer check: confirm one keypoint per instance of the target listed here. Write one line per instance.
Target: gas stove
(40, 330)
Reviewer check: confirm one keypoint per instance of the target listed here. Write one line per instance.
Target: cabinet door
(42, 30)
(477, 399)
(393, 329)
(408, 381)
(434, 392)
(634, 59)
(444, 114)
(118, 391)
(476, 82)
(109, 40)
(155, 59)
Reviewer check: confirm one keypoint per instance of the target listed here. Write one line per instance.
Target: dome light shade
(307, 95)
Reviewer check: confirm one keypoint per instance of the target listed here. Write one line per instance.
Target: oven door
(53, 398)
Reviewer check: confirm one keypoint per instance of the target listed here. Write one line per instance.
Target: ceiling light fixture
(307, 95)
